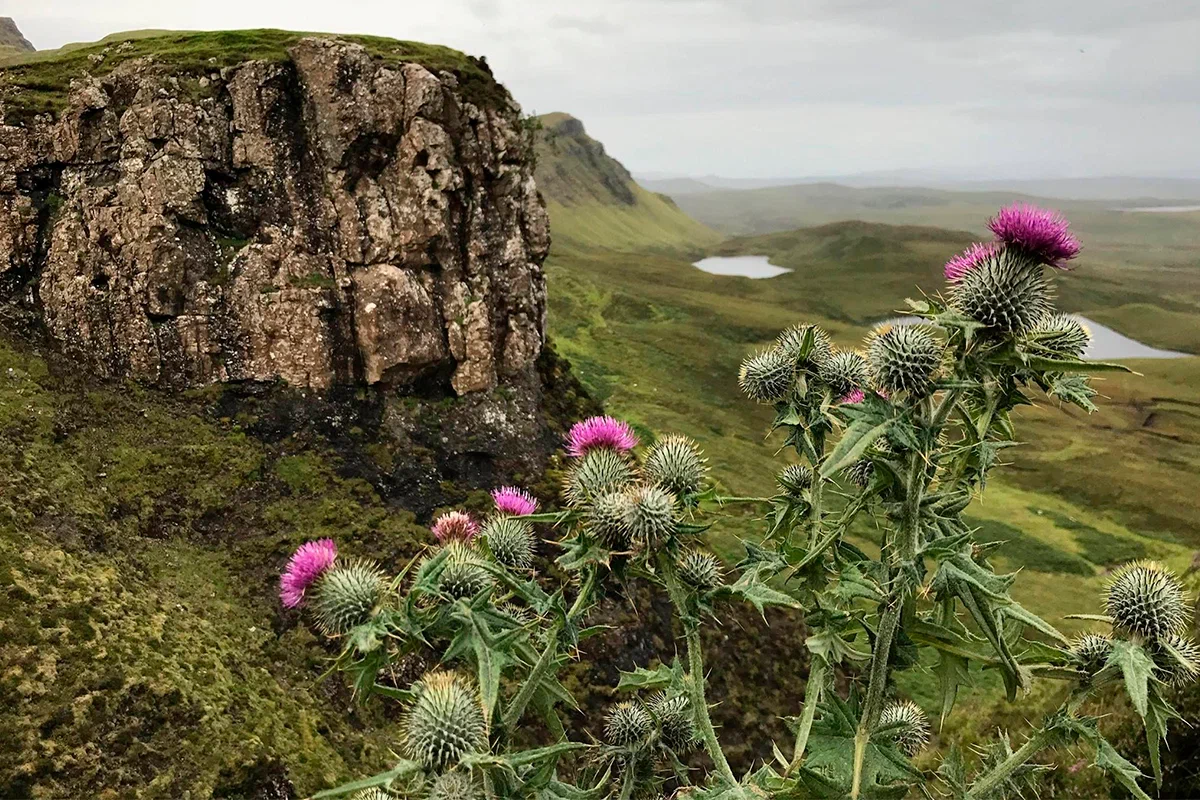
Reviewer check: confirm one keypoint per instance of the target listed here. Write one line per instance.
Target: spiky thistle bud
(676, 463)
(518, 614)
(1146, 599)
(652, 517)
(628, 723)
(1176, 660)
(861, 472)
(1092, 650)
(904, 358)
(1006, 292)
(511, 541)
(455, 785)
(766, 377)
(372, 794)
(794, 479)
(346, 595)
(913, 733)
(608, 520)
(463, 575)
(791, 342)
(445, 723)
(700, 569)
(675, 721)
(1062, 335)
(845, 372)
(599, 472)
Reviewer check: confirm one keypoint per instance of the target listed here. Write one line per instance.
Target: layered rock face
(326, 220)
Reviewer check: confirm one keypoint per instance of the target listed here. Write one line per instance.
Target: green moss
(39, 83)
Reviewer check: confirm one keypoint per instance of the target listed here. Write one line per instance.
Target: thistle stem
(812, 698)
(988, 783)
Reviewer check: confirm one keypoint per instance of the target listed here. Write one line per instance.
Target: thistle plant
(904, 437)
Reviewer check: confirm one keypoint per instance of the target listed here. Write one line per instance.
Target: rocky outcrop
(329, 219)
(12, 41)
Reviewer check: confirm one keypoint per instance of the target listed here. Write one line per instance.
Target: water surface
(744, 266)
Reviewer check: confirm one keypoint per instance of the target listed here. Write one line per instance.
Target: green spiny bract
(767, 377)
(1146, 599)
(608, 520)
(904, 358)
(456, 785)
(651, 517)
(1006, 292)
(628, 724)
(463, 575)
(1092, 651)
(511, 541)
(791, 343)
(347, 594)
(860, 472)
(700, 569)
(676, 722)
(844, 372)
(676, 463)
(1061, 335)
(1176, 660)
(599, 472)
(913, 733)
(794, 479)
(445, 723)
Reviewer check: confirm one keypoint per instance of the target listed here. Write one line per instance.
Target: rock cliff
(326, 216)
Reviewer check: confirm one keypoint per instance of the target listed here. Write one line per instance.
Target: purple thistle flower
(969, 259)
(513, 501)
(855, 396)
(596, 432)
(455, 526)
(1036, 231)
(306, 565)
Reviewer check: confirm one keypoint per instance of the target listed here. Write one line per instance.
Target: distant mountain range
(1115, 188)
(12, 41)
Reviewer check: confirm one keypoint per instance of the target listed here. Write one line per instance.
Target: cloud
(790, 87)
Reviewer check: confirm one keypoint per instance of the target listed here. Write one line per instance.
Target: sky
(781, 88)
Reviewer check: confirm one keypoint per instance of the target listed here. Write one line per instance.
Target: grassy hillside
(594, 202)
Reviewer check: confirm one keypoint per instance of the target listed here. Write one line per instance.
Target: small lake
(1107, 344)
(1161, 209)
(743, 266)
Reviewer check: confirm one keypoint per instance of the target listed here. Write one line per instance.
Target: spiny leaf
(1137, 667)
(854, 442)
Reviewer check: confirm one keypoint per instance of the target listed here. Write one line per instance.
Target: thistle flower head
(1092, 651)
(1176, 660)
(455, 785)
(600, 432)
(651, 518)
(969, 259)
(1062, 335)
(1006, 292)
(608, 520)
(766, 377)
(347, 595)
(676, 463)
(845, 372)
(675, 721)
(463, 575)
(372, 794)
(1041, 234)
(511, 541)
(852, 397)
(628, 724)
(305, 566)
(1146, 599)
(861, 472)
(913, 733)
(455, 527)
(445, 723)
(904, 358)
(805, 346)
(513, 501)
(794, 479)
(700, 569)
(599, 472)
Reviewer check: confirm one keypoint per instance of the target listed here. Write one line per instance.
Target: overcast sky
(773, 88)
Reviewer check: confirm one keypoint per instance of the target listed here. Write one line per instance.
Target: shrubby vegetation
(906, 434)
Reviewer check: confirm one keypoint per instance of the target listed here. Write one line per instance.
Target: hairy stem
(812, 698)
(990, 782)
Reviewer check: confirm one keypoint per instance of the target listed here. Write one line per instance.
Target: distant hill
(594, 201)
(12, 42)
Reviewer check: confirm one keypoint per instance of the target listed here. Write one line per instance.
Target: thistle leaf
(1137, 667)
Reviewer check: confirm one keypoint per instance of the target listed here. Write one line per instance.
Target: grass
(39, 83)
